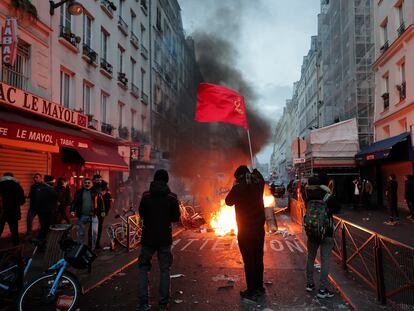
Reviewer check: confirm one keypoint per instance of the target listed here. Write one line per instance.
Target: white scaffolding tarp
(339, 140)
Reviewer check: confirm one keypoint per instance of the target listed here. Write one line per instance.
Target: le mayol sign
(11, 96)
(35, 135)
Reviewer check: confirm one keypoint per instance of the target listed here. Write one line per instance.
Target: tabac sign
(9, 42)
(11, 96)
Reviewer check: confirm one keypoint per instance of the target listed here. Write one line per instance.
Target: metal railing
(106, 66)
(384, 265)
(144, 51)
(401, 29)
(144, 98)
(68, 35)
(134, 39)
(14, 78)
(385, 47)
(123, 25)
(134, 90)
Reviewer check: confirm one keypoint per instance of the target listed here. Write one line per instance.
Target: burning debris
(224, 220)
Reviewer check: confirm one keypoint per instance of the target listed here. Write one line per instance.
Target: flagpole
(250, 147)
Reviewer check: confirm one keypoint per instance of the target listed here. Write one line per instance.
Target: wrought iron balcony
(107, 128)
(89, 53)
(134, 40)
(144, 98)
(123, 132)
(402, 90)
(106, 66)
(385, 47)
(144, 7)
(123, 26)
(144, 51)
(109, 7)
(134, 90)
(386, 98)
(67, 34)
(139, 136)
(122, 78)
(401, 29)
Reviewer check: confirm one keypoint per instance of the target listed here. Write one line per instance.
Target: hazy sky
(271, 37)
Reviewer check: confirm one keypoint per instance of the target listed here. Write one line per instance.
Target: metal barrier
(133, 232)
(385, 265)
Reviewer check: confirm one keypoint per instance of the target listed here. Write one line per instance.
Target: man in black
(159, 207)
(34, 204)
(47, 201)
(247, 196)
(409, 195)
(12, 197)
(101, 187)
(391, 192)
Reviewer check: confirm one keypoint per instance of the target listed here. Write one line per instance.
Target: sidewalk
(374, 221)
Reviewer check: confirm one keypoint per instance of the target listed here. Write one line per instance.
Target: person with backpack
(318, 225)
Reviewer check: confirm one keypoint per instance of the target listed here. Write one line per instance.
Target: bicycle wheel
(121, 234)
(35, 295)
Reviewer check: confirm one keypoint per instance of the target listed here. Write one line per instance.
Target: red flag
(216, 103)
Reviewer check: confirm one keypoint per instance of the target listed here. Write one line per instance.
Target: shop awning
(102, 156)
(382, 149)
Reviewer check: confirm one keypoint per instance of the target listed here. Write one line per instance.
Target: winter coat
(319, 192)
(391, 191)
(409, 190)
(159, 207)
(97, 203)
(63, 195)
(34, 195)
(47, 200)
(247, 197)
(12, 196)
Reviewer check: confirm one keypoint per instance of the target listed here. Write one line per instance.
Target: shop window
(18, 74)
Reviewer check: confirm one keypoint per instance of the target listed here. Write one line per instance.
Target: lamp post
(74, 7)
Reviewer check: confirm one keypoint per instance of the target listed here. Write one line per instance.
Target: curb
(125, 266)
(332, 280)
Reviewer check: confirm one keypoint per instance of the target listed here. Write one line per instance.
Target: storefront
(393, 155)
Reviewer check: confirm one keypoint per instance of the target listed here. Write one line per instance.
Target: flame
(224, 221)
(268, 198)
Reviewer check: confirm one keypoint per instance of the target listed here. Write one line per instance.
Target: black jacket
(47, 200)
(316, 193)
(97, 203)
(12, 195)
(63, 196)
(159, 207)
(247, 197)
(409, 190)
(34, 195)
(391, 191)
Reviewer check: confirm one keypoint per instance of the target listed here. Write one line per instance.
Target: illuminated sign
(9, 42)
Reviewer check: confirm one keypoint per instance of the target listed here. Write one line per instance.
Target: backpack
(316, 221)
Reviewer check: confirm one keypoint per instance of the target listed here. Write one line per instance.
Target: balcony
(92, 123)
(123, 26)
(89, 54)
(69, 36)
(107, 128)
(144, 98)
(144, 7)
(122, 79)
(123, 132)
(386, 99)
(144, 52)
(401, 29)
(385, 47)
(158, 67)
(107, 67)
(108, 7)
(402, 90)
(139, 136)
(134, 40)
(134, 90)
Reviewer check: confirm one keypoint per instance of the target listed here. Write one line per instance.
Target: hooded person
(158, 209)
(247, 197)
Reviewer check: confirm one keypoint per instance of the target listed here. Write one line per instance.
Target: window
(87, 30)
(402, 72)
(65, 84)
(121, 8)
(104, 44)
(133, 64)
(65, 18)
(121, 53)
(403, 125)
(143, 118)
(133, 116)
(121, 112)
(133, 19)
(386, 130)
(158, 21)
(18, 74)
(87, 92)
(104, 103)
(142, 32)
(385, 33)
(142, 79)
(400, 13)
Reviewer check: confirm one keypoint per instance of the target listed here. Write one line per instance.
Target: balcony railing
(107, 128)
(123, 132)
(144, 98)
(386, 98)
(144, 7)
(144, 51)
(139, 136)
(123, 79)
(89, 53)
(14, 78)
(134, 40)
(108, 6)
(401, 29)
(68, 35)
(402, 90)
(134, 90)
(123, 26)
(106, 66)
(385, 47)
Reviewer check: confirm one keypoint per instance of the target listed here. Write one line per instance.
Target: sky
(271, 37)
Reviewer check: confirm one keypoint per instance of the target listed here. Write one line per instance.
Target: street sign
(298, 146)
(298, 160)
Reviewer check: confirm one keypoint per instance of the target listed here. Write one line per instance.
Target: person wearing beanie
(159, 207)
(247, 197)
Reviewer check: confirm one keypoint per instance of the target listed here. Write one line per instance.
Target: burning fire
(224, 221)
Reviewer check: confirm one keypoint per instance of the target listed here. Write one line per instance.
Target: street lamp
(74, 7)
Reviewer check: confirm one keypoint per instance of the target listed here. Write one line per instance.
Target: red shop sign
(9, 41)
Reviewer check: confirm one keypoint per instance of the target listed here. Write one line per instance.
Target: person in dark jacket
(87, 205)
(247, 197)
(391, 192)
(47, 201)
(33, 207)
(12, 197)
(409, 195)
(159, 207)
(64, 200)
(101, 186)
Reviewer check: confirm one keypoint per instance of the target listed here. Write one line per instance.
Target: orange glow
(224, 221)
(268, 198)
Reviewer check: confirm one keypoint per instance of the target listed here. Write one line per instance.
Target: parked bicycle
(57, 288)
(120, 233)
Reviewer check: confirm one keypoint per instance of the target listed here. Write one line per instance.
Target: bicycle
(189, 218)
(57, 288)
(118, 232)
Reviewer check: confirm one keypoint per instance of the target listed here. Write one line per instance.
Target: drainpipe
(150, 70)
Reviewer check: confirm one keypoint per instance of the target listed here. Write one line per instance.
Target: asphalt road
(213, 276)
